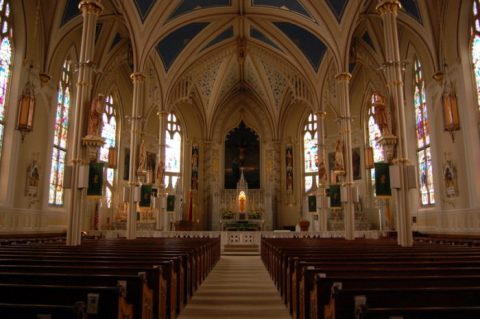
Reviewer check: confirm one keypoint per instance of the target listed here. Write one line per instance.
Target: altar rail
(236, 237)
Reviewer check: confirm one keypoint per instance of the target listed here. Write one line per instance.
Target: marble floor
(239, 287)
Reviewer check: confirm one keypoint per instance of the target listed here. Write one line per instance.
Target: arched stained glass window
(60, 137)
(5, 62)
(109, 133)
(373, 135)
(424, 157)
(475, 38)
(173, 150)
(310, 151)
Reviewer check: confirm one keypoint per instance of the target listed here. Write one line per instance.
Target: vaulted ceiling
(277, 50)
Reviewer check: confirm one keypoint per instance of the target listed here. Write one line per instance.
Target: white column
(344, 101)
(138, 80)
(90, 12)
(162, 211)
(323, 180)
(388, 10)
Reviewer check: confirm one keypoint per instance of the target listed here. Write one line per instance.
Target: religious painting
(126, 165)
(334, 193)
(450, 179)
(145, 195)
(170, 203)
(357, 172)
(382, 180)
(312, 203)
(194, 177)
(95, 180)
(151, 163)
(289, 167)
(242, 154)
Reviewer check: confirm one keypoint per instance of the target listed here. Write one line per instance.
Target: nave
(238, 287)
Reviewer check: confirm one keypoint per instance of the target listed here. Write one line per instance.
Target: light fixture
(26, 108)
(112, 157)
(368, 157)
(451, 120)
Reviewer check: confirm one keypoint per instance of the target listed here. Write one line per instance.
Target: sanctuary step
(241, 250)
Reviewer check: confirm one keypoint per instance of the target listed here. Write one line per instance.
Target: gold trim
(345, 76)
(91, 6)
(137, 77)
(388, 6)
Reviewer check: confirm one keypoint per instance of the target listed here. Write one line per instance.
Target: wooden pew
(39, 311)
(101, 302)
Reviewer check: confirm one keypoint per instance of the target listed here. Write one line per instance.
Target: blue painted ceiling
(144, 7)
(411, 7)
(256, 34)
(171, 46)
(187, 6)
(337, 7)
(368, 40)
(311, 46)
(292, 5)
(70, 11)
(226, 34)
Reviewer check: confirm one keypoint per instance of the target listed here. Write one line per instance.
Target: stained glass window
(173, 150)
(475, 36)
(373, 135)
(310, 151)
(424, 159)
(109, 132)
(5, 62)
(60, 135)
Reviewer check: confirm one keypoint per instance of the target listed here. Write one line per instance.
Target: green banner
(95, 180)
(312, 203)
(145, 195)
(335, 201)
(382, 180)
(170, 203)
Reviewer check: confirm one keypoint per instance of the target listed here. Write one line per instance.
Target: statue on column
(95, 116)
(339, 161)
(380, 114)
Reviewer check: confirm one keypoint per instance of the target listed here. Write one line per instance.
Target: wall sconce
(26, 108)
(368, 157)
(112, 157)
(451, 119)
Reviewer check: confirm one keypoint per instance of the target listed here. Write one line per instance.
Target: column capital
(162, 113)
(343, 77)
(137, 77)
(321, 114)
(388, 6)
(91, 7)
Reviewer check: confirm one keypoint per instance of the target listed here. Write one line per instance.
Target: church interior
(242, 123)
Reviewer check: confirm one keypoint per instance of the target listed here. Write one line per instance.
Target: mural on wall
(450, 179)
(194, 177)
(126, 165)
(242, 153)
(32, 178)
(289, 166)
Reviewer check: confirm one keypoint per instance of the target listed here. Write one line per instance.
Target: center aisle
(239, 287)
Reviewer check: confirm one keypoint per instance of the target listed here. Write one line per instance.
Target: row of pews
(119, 279)
(335, 278)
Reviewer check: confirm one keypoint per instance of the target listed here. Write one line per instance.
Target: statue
(380, 114)
(142, 157)
(339, 163)
(95, 116)
(322, 172)
(33, 178)
(160, 172)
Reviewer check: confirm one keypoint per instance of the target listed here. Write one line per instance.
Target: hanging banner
(145, 195)
(195, 156)
(170, 203)
(382, 180)
(95, 180)
(312, 203)
(334, 192)
(289, 166)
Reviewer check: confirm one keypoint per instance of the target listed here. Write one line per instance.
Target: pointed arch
(310, 152)
(6, 54)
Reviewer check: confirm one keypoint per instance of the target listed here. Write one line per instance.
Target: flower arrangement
(228, 214)
(254, 215)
